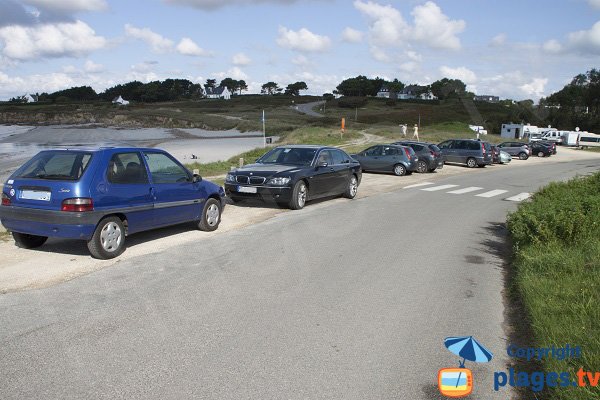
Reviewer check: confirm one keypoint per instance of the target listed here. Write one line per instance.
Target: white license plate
(35, 195)
(246, 189)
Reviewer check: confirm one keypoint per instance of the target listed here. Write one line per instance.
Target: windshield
(289, 155)
(56, 165)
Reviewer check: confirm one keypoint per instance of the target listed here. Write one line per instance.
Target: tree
(230, 84)
(270, 88)
(362, 86)
(241, 86)
(295, 88)
(210, 83)
(448, 88)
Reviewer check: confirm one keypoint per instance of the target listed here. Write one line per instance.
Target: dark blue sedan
(103, 195)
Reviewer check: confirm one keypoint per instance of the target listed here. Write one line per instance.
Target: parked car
(517, 149)
(552, 145)
(103, 195)
(541, 149)
(293, 175)
(471, 152)
(429, 156)
(505, 158)
(399, 160)
(495, 154)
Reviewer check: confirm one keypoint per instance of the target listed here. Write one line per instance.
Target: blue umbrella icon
(469, 349)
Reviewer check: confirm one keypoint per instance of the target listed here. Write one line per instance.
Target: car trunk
(43, 193)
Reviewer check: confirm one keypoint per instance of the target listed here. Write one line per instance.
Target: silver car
(400, 160)
(517, 149)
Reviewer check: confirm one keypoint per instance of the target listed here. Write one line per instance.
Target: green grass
(556, 239)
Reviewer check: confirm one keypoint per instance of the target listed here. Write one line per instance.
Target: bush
(352, 102)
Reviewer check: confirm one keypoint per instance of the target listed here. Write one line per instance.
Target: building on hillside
(428, 96)
(220, 92)
(30, 98)
(120, 101)
(518, 131)
(384, 92)
(487, 98)
(416, 92)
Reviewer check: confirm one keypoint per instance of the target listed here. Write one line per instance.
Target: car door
(341, 164)
(176, 196)
(125, 187)
(447, 150)
(368, 159)
(323, 180)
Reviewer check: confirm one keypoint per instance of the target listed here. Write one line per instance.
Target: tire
(541, 154)
(523, 156)
(299, 196)
(108, 240)
(422, 167)
(26, 241)
(352, 188)
(211, 216)
(399, 170)
(471, 162)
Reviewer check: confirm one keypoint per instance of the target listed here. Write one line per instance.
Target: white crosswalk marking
(492, 193)
(519, 197)
(436, 188)
(465, 190)
(418, 185)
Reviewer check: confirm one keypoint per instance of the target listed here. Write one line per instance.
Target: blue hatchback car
(103, 195)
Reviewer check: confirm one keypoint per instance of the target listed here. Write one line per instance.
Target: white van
(570, 138)
(586, 139)
(553, 136)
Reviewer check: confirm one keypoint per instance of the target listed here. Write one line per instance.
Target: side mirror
(196, 178)
(322, 165)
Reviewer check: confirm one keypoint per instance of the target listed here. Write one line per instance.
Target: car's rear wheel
(108, 240)
(26, 241)
(541, 154)
(523, 156)
(352, 188)
(471, 162)
(211, 216)
(299, 196)
(399, 170)
(422, 167)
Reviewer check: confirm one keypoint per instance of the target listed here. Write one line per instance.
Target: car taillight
(5, 200)
(483, 148)
(78, 204)
(407, 153)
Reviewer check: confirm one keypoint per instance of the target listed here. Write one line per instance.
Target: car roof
(104, 148)
(414, 142)
(306, 146)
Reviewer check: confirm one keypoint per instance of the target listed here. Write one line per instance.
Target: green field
(556, 240)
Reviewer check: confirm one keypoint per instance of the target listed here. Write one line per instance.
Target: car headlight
(278, 181)
(230, 178)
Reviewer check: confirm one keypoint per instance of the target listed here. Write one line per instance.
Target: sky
(517, 49)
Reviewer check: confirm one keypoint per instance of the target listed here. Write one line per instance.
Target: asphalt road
(307, 108)
(348, 301)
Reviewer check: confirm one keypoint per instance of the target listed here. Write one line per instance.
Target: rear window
(56, 165)
(474, 145)
(434, 148)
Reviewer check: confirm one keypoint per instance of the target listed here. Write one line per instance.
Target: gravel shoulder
(63, 260)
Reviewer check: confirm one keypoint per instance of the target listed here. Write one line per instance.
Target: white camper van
(570, 138)
(553, 136)
(587, 139)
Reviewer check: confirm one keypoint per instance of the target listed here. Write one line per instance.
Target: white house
(428, 96)
(220, 92)
(518, 131)
(120, 101)
(384, 92)
(28, 98)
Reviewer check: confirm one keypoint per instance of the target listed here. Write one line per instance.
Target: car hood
(267, 170)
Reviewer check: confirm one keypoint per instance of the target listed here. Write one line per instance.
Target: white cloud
(513, 85)
(498, 40)
(352, 35)
(233, 73)
(594, 3)
(214, 4)
(464, 74)
(93, 68)
(72, 39)
(534, 88)
(380, 54)
(584, 42)
(241, 59)
(302, 40)
(431, 27)
(188, 47)
(302, 61)
(69, 6)
(157, 42)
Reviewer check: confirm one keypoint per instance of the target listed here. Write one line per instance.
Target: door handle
(331, 169)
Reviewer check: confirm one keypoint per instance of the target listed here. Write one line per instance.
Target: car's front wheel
(108, 240)
(541, 154)
(523, 156)
(299, 196)
(26, 241)
(211, 216)
(399, 170)
(352, 188)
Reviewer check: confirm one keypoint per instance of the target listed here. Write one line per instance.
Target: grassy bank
(556, 239)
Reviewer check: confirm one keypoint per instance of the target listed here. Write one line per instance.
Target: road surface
(308, 108)
(351, 300)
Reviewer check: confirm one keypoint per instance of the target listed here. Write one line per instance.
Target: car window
(458, 144)
(165, 170)
(444, 145)
(434, 148)
(374, 151)
(339, 157)
(289, 155)
(417, 147)
(389, 151)
(325, 157)
(474, 145)
(56, 165)
(126, 168)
